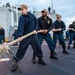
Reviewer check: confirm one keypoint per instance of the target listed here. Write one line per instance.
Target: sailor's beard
(44, 15)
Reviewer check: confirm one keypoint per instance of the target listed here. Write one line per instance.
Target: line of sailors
(29, 23)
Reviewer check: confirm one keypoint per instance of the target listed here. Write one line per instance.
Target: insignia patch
(48, 21)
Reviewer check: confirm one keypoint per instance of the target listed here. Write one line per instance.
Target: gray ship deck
(64, 66)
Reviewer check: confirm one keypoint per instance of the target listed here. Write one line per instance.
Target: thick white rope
(6, 46)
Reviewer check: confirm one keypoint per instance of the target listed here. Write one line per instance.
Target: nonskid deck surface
(64, 66)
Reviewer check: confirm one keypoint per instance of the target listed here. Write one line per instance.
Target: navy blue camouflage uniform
(46, 24)
(72, 34)
(58, 35)
(27, 24)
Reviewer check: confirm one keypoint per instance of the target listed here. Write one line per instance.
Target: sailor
(2, 35)
(14, 34)
(45, 23)
(72, 34)
(58, 28)
(27, 24)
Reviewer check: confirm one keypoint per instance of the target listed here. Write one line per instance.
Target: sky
(64, 7)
